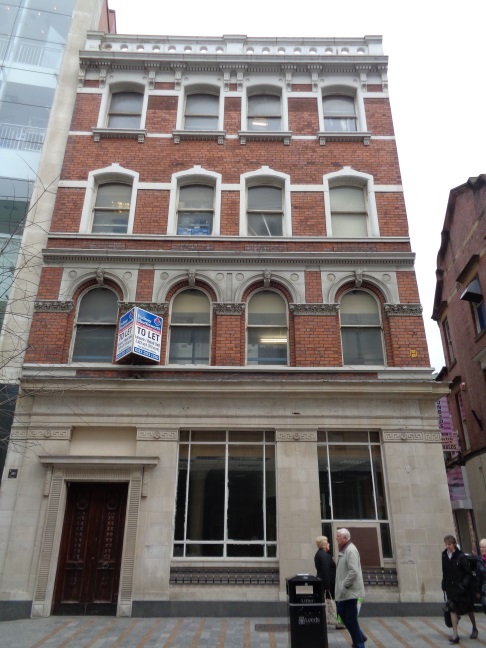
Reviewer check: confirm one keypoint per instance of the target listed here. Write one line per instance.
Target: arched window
(265, 211)
(267, 342)
(125, 110)
(339, 113)
(264, 112)
(195, 210)
(96, 326)
(112, 208)
(349, 213)
(202, 112)
(361, 333)
(190, 328)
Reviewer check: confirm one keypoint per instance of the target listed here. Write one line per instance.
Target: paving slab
(110, 632)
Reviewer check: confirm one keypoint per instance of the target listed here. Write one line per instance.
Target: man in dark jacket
(457, 584)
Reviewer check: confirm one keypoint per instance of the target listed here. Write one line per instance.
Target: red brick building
(460, 312)
(248, 192)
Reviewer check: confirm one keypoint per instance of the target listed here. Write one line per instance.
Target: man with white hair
(349, 586)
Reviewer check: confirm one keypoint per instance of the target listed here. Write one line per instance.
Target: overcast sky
(437, 82)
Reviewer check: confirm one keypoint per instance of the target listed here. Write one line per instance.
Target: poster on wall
(139, 334)
(449, 436)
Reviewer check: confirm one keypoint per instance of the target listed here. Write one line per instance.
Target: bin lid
(303, 578)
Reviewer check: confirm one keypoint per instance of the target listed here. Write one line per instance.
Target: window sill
(265, 136)
(181, 135)
(119, 133)
(324, 137)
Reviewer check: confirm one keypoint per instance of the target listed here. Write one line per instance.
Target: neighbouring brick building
(460, 311)
(248, 192)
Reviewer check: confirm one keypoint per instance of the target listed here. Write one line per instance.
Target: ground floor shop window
(351, 482)
(226, 495)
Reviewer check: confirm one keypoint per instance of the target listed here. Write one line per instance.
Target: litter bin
(307, 612)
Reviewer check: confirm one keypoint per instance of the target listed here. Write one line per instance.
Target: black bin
(307, 612)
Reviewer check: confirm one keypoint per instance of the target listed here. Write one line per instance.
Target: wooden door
(88, 573)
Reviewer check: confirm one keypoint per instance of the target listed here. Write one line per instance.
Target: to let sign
(140, 334)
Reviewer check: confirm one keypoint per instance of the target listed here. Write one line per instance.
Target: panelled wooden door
(88, 573)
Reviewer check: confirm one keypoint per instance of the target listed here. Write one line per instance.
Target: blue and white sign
(139, 333)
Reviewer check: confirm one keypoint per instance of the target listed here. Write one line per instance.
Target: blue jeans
(348, 611)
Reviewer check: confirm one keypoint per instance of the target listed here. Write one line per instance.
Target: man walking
(349, 586)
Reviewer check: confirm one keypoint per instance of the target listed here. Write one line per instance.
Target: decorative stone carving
(358, 278)
(226, 80)
(240, 75)
(191, 277)
(159, 308)
(151, 79)
(288, 71)
(81, 76)
(156, 434)
(403, 310)
(315, 71)
(384, 77)
(229, 308)
(47, 482)
(53, 306)
(324, 137)
(267, 277)
(314, 309)
(49, 433)
(100, 276)
(265, 136)
(183, 135)
(309, 435)
(178, 76)
(363, 75)
(102, 77)
(400, 437)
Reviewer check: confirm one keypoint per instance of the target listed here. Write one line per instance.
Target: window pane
(205, 550)
(267, 345)
(201, 123)
(347, 199)
(362, 346)
(324, 482)
(194, 223)
(245, 492)
(349, 226)
(191, 307)
(126, 102)
(265, 225)
(99, 305)
(352, 486)
(189, 345)
(196, 197)
(180, 514)
(270, 493)
(338, 105)
(202, 104)
(114, 196)
(94, 343)
(340, 125)
(359, 308)
(109, 222)
(265, 198)
(268, 105)
(205, 508)
(245, 551)
(124, 121)
(379, 483)
(267, 308)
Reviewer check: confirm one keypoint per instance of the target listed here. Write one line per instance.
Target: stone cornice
(228, 308)
(68, 461)
(411, 436)
(403, 310)
(325, 137)
(254, 257)
(119, 133)
(159, 308)
(53, 306)
(314, 309)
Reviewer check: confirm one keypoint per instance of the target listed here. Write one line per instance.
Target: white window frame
(376, 326)
(250, 326)
(174, 297)
(265, 176)
(348, 177)
(109, 175)
(345, 91)
(190, 89)
(121, 86)
(196, 175)
(75, 327)
(261, 89)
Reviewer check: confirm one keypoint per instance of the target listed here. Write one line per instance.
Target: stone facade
(309, 365)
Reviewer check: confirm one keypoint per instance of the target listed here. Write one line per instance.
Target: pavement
(104, 632)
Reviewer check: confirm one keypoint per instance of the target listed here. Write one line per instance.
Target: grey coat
(349, 579)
